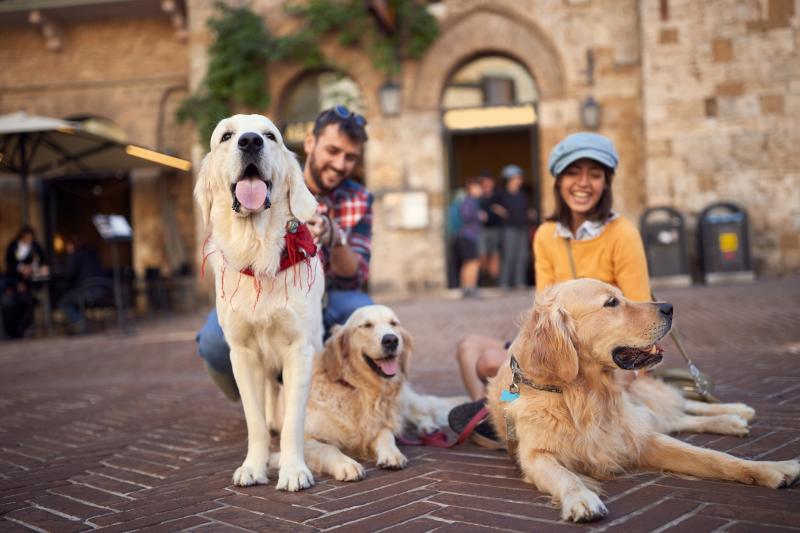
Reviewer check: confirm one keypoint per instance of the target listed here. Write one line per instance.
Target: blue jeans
(212, 347)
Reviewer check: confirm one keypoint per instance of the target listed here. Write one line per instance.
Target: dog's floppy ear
(202, 190)
(552, 351)
(408, 348)
(301, 202)
(334, 353)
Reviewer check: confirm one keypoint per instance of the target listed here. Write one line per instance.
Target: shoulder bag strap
(568, 244)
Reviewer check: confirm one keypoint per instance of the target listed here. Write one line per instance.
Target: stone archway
(352, 62)
(483, 30)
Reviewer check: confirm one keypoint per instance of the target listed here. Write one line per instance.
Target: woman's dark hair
(25, 230)
(599, 213)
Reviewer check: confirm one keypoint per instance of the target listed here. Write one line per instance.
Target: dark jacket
(83, 263)
(517, 206)
(35, 255)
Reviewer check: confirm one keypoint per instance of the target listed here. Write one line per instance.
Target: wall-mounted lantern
(390, 96)
(590, 113)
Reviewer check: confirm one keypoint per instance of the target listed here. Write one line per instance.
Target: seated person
(82, 265)
(24, 260)
(584, 238)
(342, 229)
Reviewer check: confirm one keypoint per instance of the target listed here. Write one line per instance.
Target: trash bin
(665, 246)
(724, 244)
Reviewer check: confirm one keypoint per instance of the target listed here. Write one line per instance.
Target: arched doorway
(309, 94)
(489, 120)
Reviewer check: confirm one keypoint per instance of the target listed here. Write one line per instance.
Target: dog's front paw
(745, 411)
(426, 424)
(731, 425)
(247, 475)
(582, 506)
(777, 474)
(347, 470)
(392, 460)
(294, 477)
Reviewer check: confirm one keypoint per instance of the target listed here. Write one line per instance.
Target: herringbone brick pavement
(123, 433)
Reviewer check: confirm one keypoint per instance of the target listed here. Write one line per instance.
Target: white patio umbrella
(44, 146)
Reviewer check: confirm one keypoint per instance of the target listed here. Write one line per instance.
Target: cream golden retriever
(574, 420)
(251, 192)
(360, 397)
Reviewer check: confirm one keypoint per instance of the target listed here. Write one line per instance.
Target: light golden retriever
(360, 397)
(576, 337)
(251, 192)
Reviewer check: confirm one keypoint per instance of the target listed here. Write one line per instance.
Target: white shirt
(589, 230)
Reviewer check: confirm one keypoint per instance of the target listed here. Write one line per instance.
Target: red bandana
(299, 246)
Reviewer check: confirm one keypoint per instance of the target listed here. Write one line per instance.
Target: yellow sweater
(616, 256)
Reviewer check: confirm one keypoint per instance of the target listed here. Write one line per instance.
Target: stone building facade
(702, 100)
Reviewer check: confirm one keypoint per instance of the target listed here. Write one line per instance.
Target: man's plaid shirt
(350, 206)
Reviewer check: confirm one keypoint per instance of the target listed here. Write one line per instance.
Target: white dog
(253, 197)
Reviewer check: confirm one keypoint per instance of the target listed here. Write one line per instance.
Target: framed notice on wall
(406, 210)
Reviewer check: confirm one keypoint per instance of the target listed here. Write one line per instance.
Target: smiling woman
(585, 238)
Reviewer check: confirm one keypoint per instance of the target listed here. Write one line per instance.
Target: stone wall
(407, 152)
(131, 72)
(722, 115)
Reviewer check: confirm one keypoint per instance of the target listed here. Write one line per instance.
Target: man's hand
(320, 228)
(499, 210)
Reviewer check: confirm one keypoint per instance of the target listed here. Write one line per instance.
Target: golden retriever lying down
(577, 336)
(360, 398)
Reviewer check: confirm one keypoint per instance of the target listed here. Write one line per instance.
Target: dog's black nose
(389, 342)
(251, 142)
(665, 308)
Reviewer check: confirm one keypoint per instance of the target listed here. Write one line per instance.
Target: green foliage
(415, 30)
(243, 48)
(237, 74)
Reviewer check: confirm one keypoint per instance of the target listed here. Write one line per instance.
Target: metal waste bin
(724, 244)
(665, 246)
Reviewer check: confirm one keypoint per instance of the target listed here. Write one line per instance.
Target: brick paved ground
(126, 432)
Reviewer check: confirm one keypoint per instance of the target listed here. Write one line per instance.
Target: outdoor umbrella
(43, 146)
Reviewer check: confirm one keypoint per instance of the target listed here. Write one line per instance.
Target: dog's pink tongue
(388, 366)
(251, 193)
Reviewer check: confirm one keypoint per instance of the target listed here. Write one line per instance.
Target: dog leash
(439, 439)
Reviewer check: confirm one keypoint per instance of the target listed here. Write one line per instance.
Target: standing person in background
(472, 219)
(516, 220)
(491, 233)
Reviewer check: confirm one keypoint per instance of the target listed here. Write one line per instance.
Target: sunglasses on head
(345, 114)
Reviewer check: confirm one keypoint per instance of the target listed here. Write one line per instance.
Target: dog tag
(508, 396)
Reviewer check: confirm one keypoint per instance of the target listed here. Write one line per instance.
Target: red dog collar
(299, 246)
